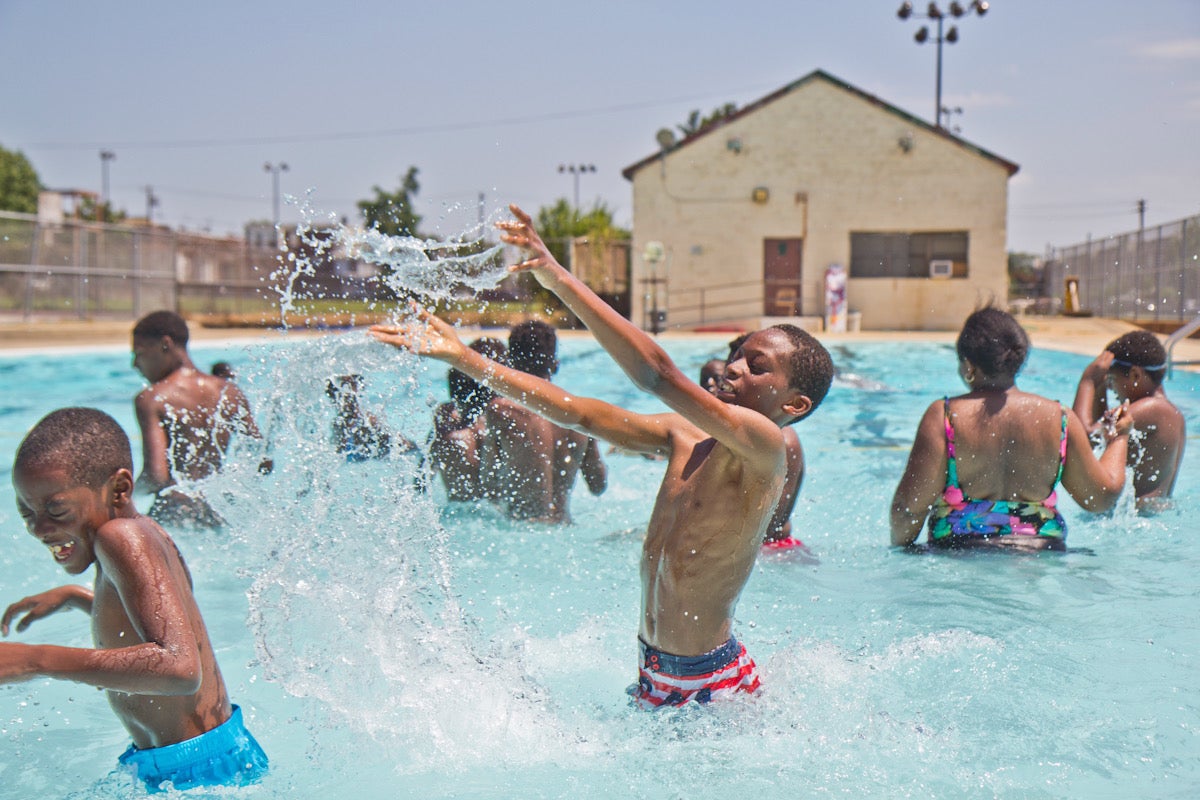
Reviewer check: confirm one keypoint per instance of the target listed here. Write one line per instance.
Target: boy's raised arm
(647, 364)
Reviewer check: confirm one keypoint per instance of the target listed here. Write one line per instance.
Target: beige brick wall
(832, 164)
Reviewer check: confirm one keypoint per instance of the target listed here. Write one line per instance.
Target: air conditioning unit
(941, 268)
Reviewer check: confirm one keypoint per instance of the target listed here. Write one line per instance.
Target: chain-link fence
(1149, 275)
(95, 270)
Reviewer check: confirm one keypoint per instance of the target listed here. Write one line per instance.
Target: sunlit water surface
(384, 644)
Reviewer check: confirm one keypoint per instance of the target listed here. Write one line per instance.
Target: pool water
(384, 643)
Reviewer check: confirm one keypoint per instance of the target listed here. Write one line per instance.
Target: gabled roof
(815, 75)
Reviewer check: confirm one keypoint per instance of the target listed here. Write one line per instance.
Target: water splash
(354, 603)
(429, 266)
(436, 268)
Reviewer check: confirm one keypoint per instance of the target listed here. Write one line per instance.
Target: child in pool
(529, 463)
(187, 419)
(459, 430)
(358, 434)
(1134, 366)
(73, 478)
(727, 464)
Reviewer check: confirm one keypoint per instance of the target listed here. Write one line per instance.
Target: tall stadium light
(275, 169)
(576, 170)
(105, 157)
(933, 12)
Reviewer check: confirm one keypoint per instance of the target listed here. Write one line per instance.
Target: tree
(19, 183)
(560, 223)
(393, 213)
(93, 211)
(695, 123)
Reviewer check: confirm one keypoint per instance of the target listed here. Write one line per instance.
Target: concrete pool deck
(1082, 335)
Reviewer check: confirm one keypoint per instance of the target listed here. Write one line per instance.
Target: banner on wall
(835, 298)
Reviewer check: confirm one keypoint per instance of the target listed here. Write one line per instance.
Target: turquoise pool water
(384, 645)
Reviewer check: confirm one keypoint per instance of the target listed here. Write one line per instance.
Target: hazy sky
(1098, 101)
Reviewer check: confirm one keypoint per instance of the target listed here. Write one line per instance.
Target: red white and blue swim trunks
(668, 680)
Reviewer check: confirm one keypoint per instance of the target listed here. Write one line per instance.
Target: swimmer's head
(993, 342)
(810, 367)
(532, 348)
(87, 444)
(1139, 349)
(158, 324)
(711, 372)
(469, 396)
(160, 345)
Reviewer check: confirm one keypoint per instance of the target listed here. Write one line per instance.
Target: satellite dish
(665, 139)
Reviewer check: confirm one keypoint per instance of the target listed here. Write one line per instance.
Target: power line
(375, 134)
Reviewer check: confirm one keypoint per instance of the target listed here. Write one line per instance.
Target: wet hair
(994, 342)
(157, 324)
(85, 442)
(222, 369)
(810, 367)
(469, 395)
(1140, 349)
(735, 345)
(532, 346)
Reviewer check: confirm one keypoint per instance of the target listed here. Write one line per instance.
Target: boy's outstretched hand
(521, 233)
(424, 335)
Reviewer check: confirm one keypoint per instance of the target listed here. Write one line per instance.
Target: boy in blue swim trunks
(73, 478)
(726, 467)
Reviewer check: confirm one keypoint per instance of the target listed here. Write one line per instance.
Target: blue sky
(1098, 102)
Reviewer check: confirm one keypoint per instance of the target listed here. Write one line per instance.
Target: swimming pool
(381, 641)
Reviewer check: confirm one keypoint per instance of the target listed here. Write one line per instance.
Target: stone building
(740, 221)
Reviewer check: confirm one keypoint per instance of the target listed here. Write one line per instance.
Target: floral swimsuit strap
(951, 465)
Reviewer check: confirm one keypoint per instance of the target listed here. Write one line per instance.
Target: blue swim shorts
(225, 756)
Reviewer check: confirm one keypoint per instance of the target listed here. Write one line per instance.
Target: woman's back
(1008, 445)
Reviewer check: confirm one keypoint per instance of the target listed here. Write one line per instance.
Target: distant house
(741, 220)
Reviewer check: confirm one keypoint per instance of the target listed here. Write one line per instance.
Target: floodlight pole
(576, 170)
(275, 169)
(105, 157)
(955, 10)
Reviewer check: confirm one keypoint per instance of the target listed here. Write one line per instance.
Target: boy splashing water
(726, 467)
(73, 477)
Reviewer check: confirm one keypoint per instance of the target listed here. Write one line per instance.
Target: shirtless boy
(779, 531)
(187, 418)
(1134, 366)
(458, 428)
(73, 478)
(726, 467)
(529, 463)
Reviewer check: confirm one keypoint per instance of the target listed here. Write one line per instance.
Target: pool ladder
(1174, 338)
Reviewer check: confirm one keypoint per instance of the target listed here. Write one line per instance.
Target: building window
(906, 255)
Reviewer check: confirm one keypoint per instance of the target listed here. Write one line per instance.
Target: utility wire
(376, 134)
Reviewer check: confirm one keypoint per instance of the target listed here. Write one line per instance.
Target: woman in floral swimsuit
(985, 465)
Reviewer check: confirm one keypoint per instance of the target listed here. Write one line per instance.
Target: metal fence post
(137, 278)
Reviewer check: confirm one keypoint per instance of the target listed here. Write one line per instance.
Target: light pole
(955, 10)
(576, 170)
(151, 202)
(275, 169)
(105, 157)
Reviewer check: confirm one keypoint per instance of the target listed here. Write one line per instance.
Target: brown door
(781, 277)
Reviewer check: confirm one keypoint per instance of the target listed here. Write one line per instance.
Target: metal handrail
(1173, 339)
